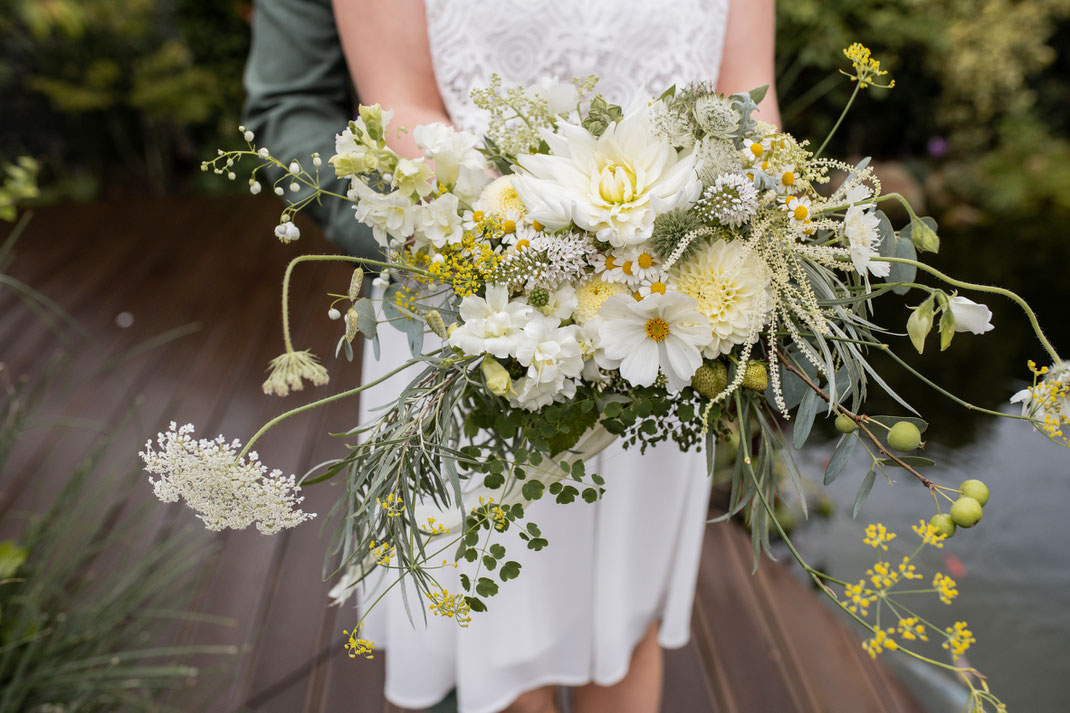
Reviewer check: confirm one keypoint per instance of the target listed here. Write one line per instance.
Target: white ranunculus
(438, 222)
(658, 333)
(388, 214)
(492, 325)
(613, 185)
(457, 162)
(970, 316)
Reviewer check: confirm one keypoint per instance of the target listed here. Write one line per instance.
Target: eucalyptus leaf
(366, 319)
(804, 418)
(840, 457)
(863, 491)
(756, 95)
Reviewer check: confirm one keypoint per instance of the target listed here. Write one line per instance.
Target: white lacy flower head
(732, 288)
(492, 325)
(970, 316)
(439, 221)
(716, 115)
(567, 256)
(390, 215)
(659, 333)
(715, 157)
(860, 229)
(457, 162)
(613, 185)
(223, 490)
(732, 199)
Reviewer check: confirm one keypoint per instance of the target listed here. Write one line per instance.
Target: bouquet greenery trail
(676, 269)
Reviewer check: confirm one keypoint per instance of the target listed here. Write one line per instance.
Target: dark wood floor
(199, 278)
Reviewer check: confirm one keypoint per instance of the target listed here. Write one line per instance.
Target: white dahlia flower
(492, 325)
(731, 287)
(613, 185)
(658, 333)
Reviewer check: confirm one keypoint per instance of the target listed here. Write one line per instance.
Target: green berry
(845, 424)
(539, 297)
(966, 512)
(904, 436)
(756, 376)
(710, 379)
(975, 489)
(944, 524)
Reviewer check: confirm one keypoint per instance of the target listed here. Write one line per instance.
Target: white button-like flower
(970, 316)
(439, 222)
(659, 333)
(492, 325)
(613, 185)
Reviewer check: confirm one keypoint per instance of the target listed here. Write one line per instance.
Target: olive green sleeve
(298, 97)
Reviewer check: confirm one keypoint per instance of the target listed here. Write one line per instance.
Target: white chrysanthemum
(591, 295)
(732, 199)
(613, 185)
(390, 215)
(439, 222)
(457, 162)
(492, 325)
(716, 115)
(860, 229)
(660, 333)
(223, 490)
(731, 286)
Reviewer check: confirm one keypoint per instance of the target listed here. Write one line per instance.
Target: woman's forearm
(748, 59)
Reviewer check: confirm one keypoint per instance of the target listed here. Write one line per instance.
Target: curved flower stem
(325, 258)
(322, 402)
(817, 154)
(984, 288)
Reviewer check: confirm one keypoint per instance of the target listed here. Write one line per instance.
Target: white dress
(581, 605)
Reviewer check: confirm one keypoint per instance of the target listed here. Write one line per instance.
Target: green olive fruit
(944, 524)
(845, 424)
(975, 489)
(904, 436)
(966, 512)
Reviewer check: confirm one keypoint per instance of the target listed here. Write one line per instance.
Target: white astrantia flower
(438, 222)
(388, 214)
(860, 229)
(457, 162)
(613, 185)
(731, 287)
(492, 325)
(661, 333)
(970, 316)
(222, 489)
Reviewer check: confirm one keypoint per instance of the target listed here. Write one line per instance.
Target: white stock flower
(388, 214)
(613, 185)
(561, 303)
(860, 229)
(659, 333)
(439, 221)
(223, 490)
(457, 162)
(731, 286)
(550, 352)
(412, 176)
(492, 325)
(560, 97)
(970, 316)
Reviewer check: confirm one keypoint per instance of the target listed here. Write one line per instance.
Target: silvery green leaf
(863, 491)
(366, 320)
(840, 457)
(804, 418)
(756, 95)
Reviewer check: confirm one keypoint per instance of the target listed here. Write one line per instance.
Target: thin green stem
(838, 121)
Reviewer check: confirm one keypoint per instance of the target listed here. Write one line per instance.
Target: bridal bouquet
(674, 269)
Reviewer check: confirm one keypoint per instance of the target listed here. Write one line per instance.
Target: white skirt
(579, 606)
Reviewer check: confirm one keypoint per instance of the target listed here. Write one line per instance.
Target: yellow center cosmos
(657, 329)
(617, 183)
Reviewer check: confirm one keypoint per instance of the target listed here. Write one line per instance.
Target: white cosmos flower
(613, 185)
(439, 221)
(492, 325)
(388, 214)
(970, 316)
(860, 229)
(659, 333)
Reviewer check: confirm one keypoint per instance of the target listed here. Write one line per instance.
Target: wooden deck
(210, 270)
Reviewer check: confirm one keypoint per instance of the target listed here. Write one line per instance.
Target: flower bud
(920, 324)
(756, 376)
(295, 167)
(333, 313)
(498, 381)
(970, 316)
(355, 284)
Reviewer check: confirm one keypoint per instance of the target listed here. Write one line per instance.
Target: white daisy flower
(655, 284)
(754, 152)
(787, 179)
(800, 213)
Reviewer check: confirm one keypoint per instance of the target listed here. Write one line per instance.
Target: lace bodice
(633, 46)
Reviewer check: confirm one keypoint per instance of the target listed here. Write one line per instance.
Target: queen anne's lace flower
(222, 489)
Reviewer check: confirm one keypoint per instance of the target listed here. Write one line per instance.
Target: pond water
(1013, 568)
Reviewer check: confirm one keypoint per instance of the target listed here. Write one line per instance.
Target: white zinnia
(439, 222)
(613, 185)
(970, 316)
(492, 325)
(731, 287)
(860, 229)
(659, 333)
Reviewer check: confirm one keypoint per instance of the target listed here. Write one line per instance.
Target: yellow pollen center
(536, 225)
(627, 267)
(757, 149)
(617, 183)
(477, 216)
(657, 329)
(645, 261)
(765, 165)
(788, 178)
(509, 227)
(522, 244)
(658, 287)
(637, 295)
(801, 212)
(611, 263)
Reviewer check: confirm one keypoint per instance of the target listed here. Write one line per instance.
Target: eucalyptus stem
(985, 288)
(838, 121)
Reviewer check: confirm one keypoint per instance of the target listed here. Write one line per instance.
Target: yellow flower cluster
(392, 506)
(464, 267)
(866, 68)
(434, 527)
(907, 570)
(945, 587)
(383, 552)
(929, 534)
(911, 628)
(877, 535)
(860, 597)
(882, 575)
(1049, 403)
(358, 647)
(451, 606)
(959, 639)
(405, 299)
(882, 641)
(493, 512)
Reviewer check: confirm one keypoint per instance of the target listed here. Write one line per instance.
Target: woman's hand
(748, 60)
(386, 48)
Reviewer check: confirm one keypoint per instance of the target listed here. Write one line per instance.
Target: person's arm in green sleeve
(297, 98)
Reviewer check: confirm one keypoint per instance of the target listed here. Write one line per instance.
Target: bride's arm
(386, 48)
(747, 62)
